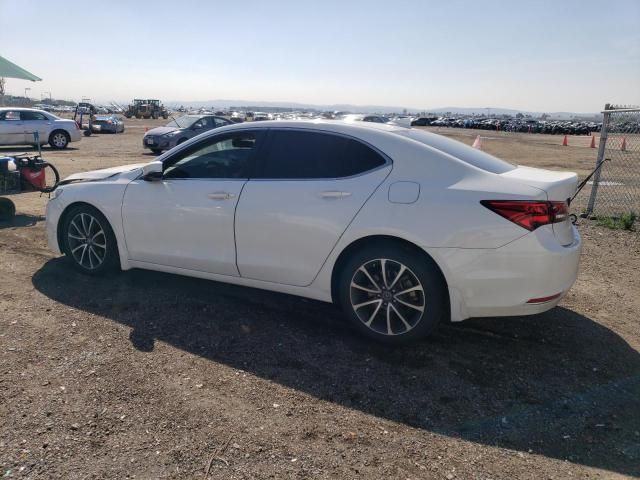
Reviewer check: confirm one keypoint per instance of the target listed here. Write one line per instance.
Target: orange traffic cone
(565, 142)
(623, 148)
(593, 141)
(146, 129)
(477, 143)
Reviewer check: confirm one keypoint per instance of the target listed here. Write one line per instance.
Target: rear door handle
(334, 194)
(220, 195)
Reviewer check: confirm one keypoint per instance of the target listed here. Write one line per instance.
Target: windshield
(183, 122)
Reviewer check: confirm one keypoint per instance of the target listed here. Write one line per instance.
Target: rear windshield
(463, 152)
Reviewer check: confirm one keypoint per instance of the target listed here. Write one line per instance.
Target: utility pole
(26, 101)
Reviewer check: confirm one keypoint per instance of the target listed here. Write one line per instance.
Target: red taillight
(78, 127)
(544, 299)
(529, 214)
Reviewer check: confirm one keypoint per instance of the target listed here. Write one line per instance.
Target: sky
(531, 55)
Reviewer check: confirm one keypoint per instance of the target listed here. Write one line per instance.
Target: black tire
(7, 210)
(392, 309)
(110, 260)
(59, 139)
(157, 151)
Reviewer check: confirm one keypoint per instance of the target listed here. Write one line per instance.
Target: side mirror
(152, 172)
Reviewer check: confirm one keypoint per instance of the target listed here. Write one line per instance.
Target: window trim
(209, 140)
(259, 162)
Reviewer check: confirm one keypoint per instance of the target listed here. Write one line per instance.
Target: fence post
(601, 148)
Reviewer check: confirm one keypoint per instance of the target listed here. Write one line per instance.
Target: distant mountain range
(223, 104)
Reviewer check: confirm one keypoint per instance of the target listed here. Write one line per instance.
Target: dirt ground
(148, 375)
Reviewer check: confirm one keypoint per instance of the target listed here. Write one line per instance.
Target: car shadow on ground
(26, 150)
(22, 220)
(557, 384)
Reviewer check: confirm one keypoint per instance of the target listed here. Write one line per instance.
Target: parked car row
(555, 127)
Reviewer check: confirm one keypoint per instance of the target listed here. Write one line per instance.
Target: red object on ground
(593, 142)
(37, 178)
(477, 143)
(565, 142)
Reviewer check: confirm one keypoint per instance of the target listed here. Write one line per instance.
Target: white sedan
(18, 125)
(402, 228)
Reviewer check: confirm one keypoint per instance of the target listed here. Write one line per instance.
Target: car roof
(22, 109)
(337, 126)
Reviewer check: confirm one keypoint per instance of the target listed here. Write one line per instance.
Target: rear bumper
(75, 135)
(500, 282)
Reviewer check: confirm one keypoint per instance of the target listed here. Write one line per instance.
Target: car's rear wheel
(392, 293)
(157, 151)
(59, 139)
(88, 241)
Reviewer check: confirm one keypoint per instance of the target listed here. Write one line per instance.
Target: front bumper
(157, 142)
(53, 213)
(500, 282)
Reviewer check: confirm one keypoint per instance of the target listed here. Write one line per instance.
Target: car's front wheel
(88, 241)
(392, 293)
(59, 139)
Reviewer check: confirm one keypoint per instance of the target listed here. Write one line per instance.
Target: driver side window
(219, 157)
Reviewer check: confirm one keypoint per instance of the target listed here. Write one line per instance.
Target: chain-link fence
(614, 190)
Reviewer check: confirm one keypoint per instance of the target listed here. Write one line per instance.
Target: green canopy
(11, 70)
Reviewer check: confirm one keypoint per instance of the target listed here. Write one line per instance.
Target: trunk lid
(559, 187)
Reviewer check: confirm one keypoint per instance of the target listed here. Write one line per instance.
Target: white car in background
(17, 127)
(402, 228)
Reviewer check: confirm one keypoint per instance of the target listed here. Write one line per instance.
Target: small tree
(519, 115)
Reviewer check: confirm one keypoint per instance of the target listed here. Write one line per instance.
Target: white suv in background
(17, 127)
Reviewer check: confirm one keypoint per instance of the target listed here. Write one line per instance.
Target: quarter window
(308, 155)
(219, 157)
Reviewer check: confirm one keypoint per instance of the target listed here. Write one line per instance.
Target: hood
(103, 174)
(161, 130)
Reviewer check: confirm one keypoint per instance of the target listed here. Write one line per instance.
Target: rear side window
(221, 122)
(32, 116)
(463, 152)
(309, 155)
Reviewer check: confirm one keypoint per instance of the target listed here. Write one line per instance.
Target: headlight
(171, 134)
(56, 193)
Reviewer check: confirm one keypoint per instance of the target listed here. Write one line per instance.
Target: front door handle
(221, 195)
(334, 194)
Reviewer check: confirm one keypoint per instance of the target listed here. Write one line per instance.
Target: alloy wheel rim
(87, 241)
(387, 297)
(59, 140)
